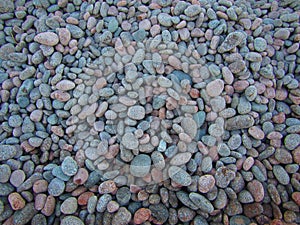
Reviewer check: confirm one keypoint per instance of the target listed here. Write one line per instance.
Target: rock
(256, 132)
(281, 174)
(179, 176)
(75, 31)
(224, 176)
(291, 141)
(64, 36)
(56, 187)
(7, 152)
(206, 183)
(130, 141)
(47, 38)
(193, 10)
(189, 126)
(136, 112)
(69, 166)
(202, 202)
(215, 88)
(237, 66)
(141, 215)
(239, 220)
(65, 85)
(23, 216)
(239, 122)
(260, 44)
(68, 220)
(69, 206)
(159, 213)
(282, 33)
(5, 173)
(231, 41)
(16, 201)
(106, 187)
(122, 217)
(181, 159)
(140, 165)
(17, 177)
(165, 19)
(186, 214)
(7, 6)
(181, 76)
(123, 196)
(15, 121)
(257, 190)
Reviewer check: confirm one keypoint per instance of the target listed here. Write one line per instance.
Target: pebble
(122, 217)
(165, 19)
(257, 190)
(281, 175)
(106, 187)
(206, 183)
(130, 141)
(189, 126)
(260, 44)
(69, 206)
(201, 202)
(136, 112)
(239, 122)
(224, 176)
(159, 213)
(69, 166)
(16, 201)
(17, 178)
(231, 41)
(215, 88)
(5, 173)
(292, 141)
(56, 187)
(7, 152)
(141, 215)
(179, 176)
(47, 38)
(68, 220)
(65, 85)
(140, 165)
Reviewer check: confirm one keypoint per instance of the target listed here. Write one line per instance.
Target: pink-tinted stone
(281, 94)
(248, 163)
(240, 85)
(36, 115)
(64, 36)
(84, 198)
(47, 38)
(215, 88)
(257, 190)
(108, 186)
(174, 62)
(40, 186)
(279, 118)
(141, 215)
(65, 85)
(206, 183)
(81, 176)
(16, 201)
(296, 198)
(256, 132)
(40, 201)
(49, 206)
(112, 206)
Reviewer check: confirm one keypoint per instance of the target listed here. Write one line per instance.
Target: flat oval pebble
(179, 176)
(47, 38)
(215, 88)
(68, 220)
(140, 165)
(202, 202)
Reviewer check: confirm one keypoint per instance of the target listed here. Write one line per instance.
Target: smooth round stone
(17, 177)
(123, 196)
(47, 38)
(224, 176)
(65, 85)
(165, 19)
(15, 121)
(130, 141)
(256, 132)
(215, 88)
(159, 212)
(292, 141)
(56, 187)
(281, 175)
(71, 220)
(69, 206)
(5, 173)
(140, 165)
(69, 166)
(181, 159)
(260, 44)
(239, 220)
(179, 176)
(136, 112)
(206, 183)
(16, 201)
(235, 142)
(123, 216)
(189, 126)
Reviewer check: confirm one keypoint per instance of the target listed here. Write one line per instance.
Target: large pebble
(69, 166)
(179, 176)
(202, 202)
(68, 220)
(7, 152)
(231, 41)
(215, 88)
(47, 38)
(140, 165)
(136, 112)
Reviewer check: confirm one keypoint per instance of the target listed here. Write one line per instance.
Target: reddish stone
(141, 215)
(81, 176)
(296, 155)
(279, 118)
(16, 201)
(106, 187)
(257, 190)
(248, 163)
(206, 183)
(253, 209)
(40, 186)
(240, 85)
(281, 94)
(84, 198)
(296, 197)
(49, 206)
(112, 206)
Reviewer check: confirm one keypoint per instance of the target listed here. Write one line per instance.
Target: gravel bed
(149, 112)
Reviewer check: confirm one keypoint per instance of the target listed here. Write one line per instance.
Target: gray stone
(189, 126)
(159, 212)
(123, 196)
(75, 31)
(69, 166)
(122, 217)
(7, 152)
(201, 202)
(224, 176)
(165, 19)
(71, 220)
(231, 41)
(140, 165)
(292, 141)
(239, 122)
(281, 175)
(179, 176)
(23, 216)
(260, 44)
(56, 187)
